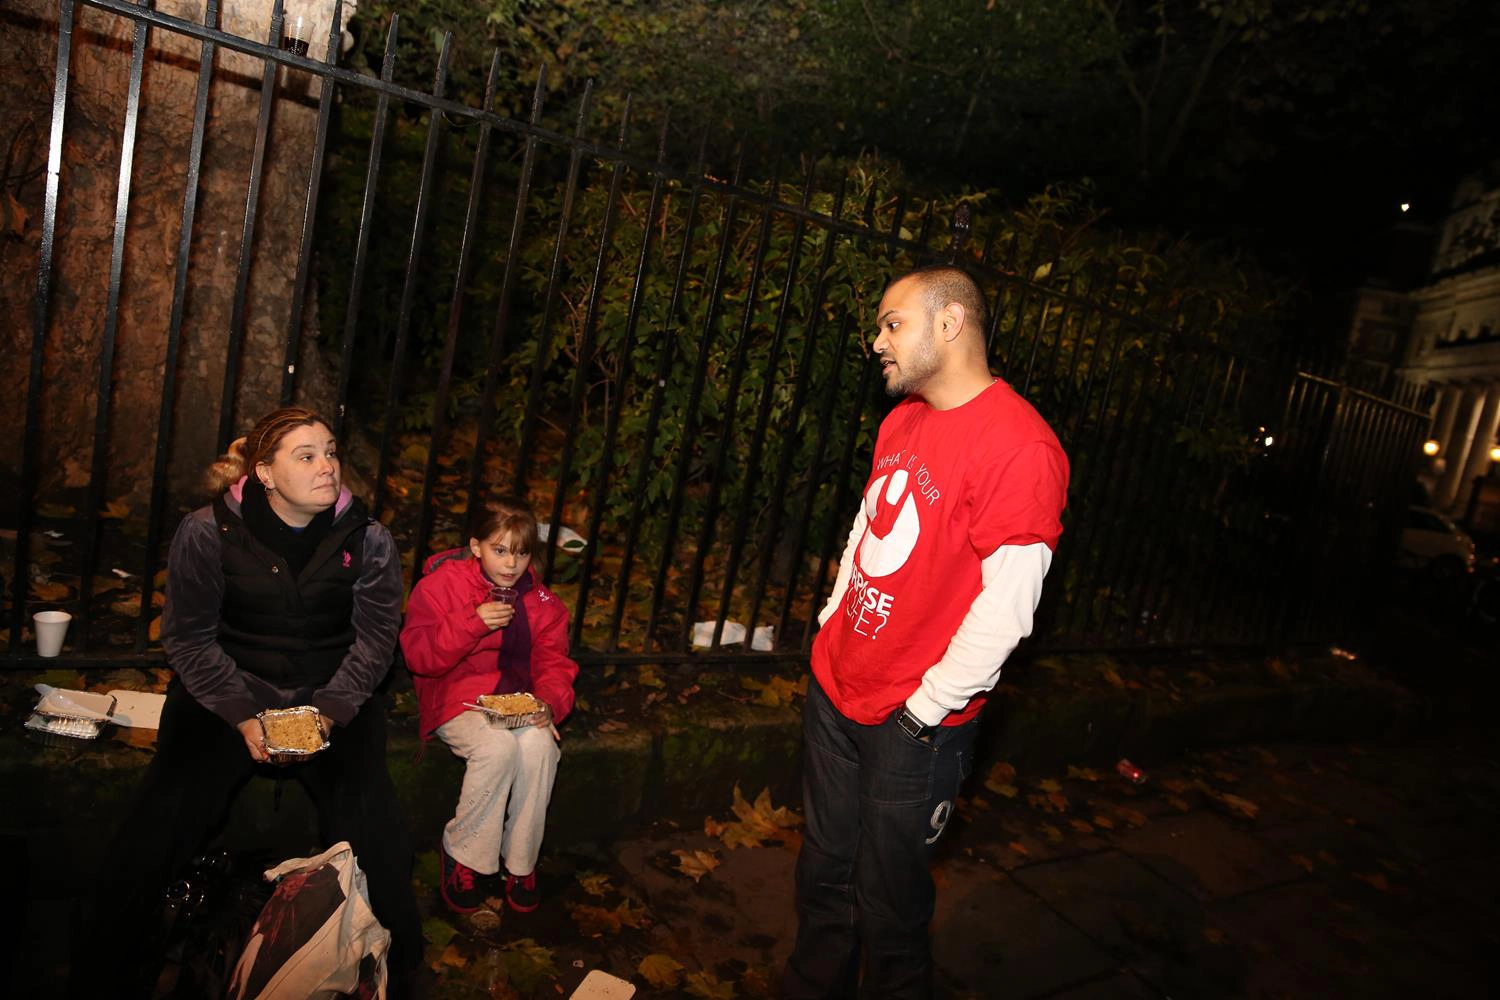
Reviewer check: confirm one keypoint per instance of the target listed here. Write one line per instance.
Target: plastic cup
(505, 595)
(51, 628)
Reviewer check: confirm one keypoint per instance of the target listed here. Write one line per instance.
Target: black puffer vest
(291, 631)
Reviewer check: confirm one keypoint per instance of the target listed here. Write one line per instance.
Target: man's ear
(950, 321)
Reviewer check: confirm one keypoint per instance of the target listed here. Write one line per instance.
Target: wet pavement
(1266, 871)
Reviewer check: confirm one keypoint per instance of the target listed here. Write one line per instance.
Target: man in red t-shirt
(938, 583)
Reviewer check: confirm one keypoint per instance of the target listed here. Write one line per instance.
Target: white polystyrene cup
(51, 628)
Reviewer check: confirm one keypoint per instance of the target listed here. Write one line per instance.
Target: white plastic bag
(317, 936)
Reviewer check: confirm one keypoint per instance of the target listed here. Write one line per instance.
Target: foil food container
(503, 721)
(64, 718)
(285, 754)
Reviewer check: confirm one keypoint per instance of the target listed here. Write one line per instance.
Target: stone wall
(85, 229)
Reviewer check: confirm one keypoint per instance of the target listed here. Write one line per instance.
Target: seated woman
(281, 592)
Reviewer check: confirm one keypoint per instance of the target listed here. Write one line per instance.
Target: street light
(1495, 453)
(1430, 447)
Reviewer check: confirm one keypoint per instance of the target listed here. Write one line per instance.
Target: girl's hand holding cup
(498, 611)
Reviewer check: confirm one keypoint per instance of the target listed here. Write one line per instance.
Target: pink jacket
(454, 657)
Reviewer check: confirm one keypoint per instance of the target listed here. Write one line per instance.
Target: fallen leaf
(1082, 826)
(1009, 791)
(1083, 773)
(1303, 862)
(1376, 880)
(611, 726)
(526, 964)
(453, 957)
(1019, 848)
(595, 920)
(115, 510)
(1048, 785)
(44, 590)
(437, 931)
(1052, 833)
(1178, 803)
(696, 864)
(709, 986)
(1215, 936)
(1113, 677)
(1104, 822)
(648, 676)
(54, 510)
(1175, 785)
(1237, 805)
(593, 883)
(662, 971)
(1002, 775)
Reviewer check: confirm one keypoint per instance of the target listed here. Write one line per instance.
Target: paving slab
(1207, 856)
(1147, 923)
(1308, 942)
(1116, 986)
(993, 938)
(743, 911)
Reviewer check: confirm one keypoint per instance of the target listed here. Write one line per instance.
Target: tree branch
(1195, 92)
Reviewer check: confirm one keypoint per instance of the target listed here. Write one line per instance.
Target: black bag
(207, 918)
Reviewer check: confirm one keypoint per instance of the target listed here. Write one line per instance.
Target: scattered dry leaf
(696, 864)
(1375, 880)
(662, 971)
(709, 986)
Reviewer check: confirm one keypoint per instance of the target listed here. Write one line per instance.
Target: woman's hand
(255, 739)
(327, 726)
(495, 614)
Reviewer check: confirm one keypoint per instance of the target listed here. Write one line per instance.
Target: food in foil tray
(511, 704)
(293, 731)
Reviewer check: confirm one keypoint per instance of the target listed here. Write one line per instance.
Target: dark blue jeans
(877, 801)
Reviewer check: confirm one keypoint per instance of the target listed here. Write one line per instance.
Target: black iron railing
(676, 362)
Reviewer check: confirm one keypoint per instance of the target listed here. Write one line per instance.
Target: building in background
(1441, 328)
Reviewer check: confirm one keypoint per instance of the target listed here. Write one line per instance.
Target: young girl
(481, 623)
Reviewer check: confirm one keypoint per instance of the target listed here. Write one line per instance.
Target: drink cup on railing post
(296, 36)
(51, 628)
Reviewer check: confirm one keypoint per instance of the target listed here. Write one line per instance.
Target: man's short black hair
(945, 283)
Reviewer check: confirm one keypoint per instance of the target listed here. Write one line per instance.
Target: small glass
(504, 595)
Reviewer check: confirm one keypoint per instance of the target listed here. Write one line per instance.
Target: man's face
(905, 341)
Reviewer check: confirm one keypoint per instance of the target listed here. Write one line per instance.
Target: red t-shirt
(947, 488)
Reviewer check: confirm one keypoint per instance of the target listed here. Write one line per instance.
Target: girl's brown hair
(259, 446)
(507, 515)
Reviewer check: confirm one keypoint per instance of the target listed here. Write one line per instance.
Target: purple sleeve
(377, 622)
(190, 623)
